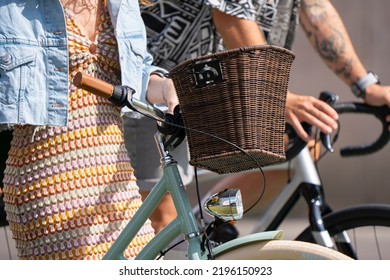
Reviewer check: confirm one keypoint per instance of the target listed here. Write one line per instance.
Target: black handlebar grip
(329, 98)
(298, 142)
(120, 96)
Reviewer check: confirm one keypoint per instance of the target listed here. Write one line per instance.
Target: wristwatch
(359, 88)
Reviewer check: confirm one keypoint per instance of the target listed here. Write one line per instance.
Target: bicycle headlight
(226, 205)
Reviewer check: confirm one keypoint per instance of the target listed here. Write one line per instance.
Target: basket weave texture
(238, 95)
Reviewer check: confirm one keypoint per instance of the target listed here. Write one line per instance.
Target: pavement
(291, 228)
(7, 245)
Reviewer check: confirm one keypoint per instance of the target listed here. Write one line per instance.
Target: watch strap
(359, 88)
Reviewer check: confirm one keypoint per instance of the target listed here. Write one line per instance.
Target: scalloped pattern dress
(70, 191)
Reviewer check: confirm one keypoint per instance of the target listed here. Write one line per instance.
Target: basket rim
(225, 53)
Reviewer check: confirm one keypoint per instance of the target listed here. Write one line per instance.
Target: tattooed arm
(238, 32)
(328, 35)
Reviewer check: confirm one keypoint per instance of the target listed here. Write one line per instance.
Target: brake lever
(172, 128)
(329, 98)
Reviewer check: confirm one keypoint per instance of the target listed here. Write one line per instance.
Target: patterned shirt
(182, 29)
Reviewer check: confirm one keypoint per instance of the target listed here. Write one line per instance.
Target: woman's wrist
(154, 93)
(161, 90)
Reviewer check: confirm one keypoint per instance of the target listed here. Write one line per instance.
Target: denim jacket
(34, 59)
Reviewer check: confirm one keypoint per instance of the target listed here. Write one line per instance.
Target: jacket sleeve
(148, 69)
(135, 60)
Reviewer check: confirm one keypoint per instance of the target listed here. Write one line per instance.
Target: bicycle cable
(320, 156)
(120, 98)
(206, 237)
(334, 139)
(260, 169)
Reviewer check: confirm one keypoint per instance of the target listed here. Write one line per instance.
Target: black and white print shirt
(182, 29)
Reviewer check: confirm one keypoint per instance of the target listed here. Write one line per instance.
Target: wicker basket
(238, 95)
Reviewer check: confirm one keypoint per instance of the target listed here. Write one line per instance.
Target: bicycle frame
(184, 223)
(171, 183)
(306, 183)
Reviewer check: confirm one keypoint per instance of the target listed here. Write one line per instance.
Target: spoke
(377, 243)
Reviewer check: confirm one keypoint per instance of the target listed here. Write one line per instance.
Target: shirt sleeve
(243, 9)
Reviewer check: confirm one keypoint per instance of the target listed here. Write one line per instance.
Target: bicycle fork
(317, 207)
(315, 201)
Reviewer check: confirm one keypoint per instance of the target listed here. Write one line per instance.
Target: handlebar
(123, 96)
(167, 124)
(296, 143)
(346, 107)
(380, 113)
(120, 96)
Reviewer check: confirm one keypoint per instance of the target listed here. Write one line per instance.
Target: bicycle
(264, 245)
(333, 233)
(326, 227)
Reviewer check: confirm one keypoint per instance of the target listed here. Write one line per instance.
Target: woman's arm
(162, 90)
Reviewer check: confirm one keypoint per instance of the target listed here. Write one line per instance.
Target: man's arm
(237, 32)
(327, 34)
(240, 33)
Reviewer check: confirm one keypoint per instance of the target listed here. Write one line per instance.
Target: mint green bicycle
(225, 206)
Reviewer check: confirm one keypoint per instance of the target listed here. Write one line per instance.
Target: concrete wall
(358, 179)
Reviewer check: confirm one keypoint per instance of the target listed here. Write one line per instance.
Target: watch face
(359, 88)
(376, 77)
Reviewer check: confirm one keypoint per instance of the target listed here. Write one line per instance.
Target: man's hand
(377, 95)
(301, 108)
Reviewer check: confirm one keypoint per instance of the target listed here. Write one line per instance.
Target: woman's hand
(162, 90)
(301, 108)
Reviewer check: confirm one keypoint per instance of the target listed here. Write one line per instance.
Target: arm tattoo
(330, 48)
(331, 42)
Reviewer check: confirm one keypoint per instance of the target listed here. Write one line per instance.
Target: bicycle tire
(353, 219)
(281, 250)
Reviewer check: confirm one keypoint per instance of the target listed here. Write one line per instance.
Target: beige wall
(358, 179)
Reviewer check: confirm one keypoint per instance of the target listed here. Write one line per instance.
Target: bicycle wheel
(367, 226)
(281, 250)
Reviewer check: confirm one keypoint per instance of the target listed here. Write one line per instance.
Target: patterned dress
(70, 191)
